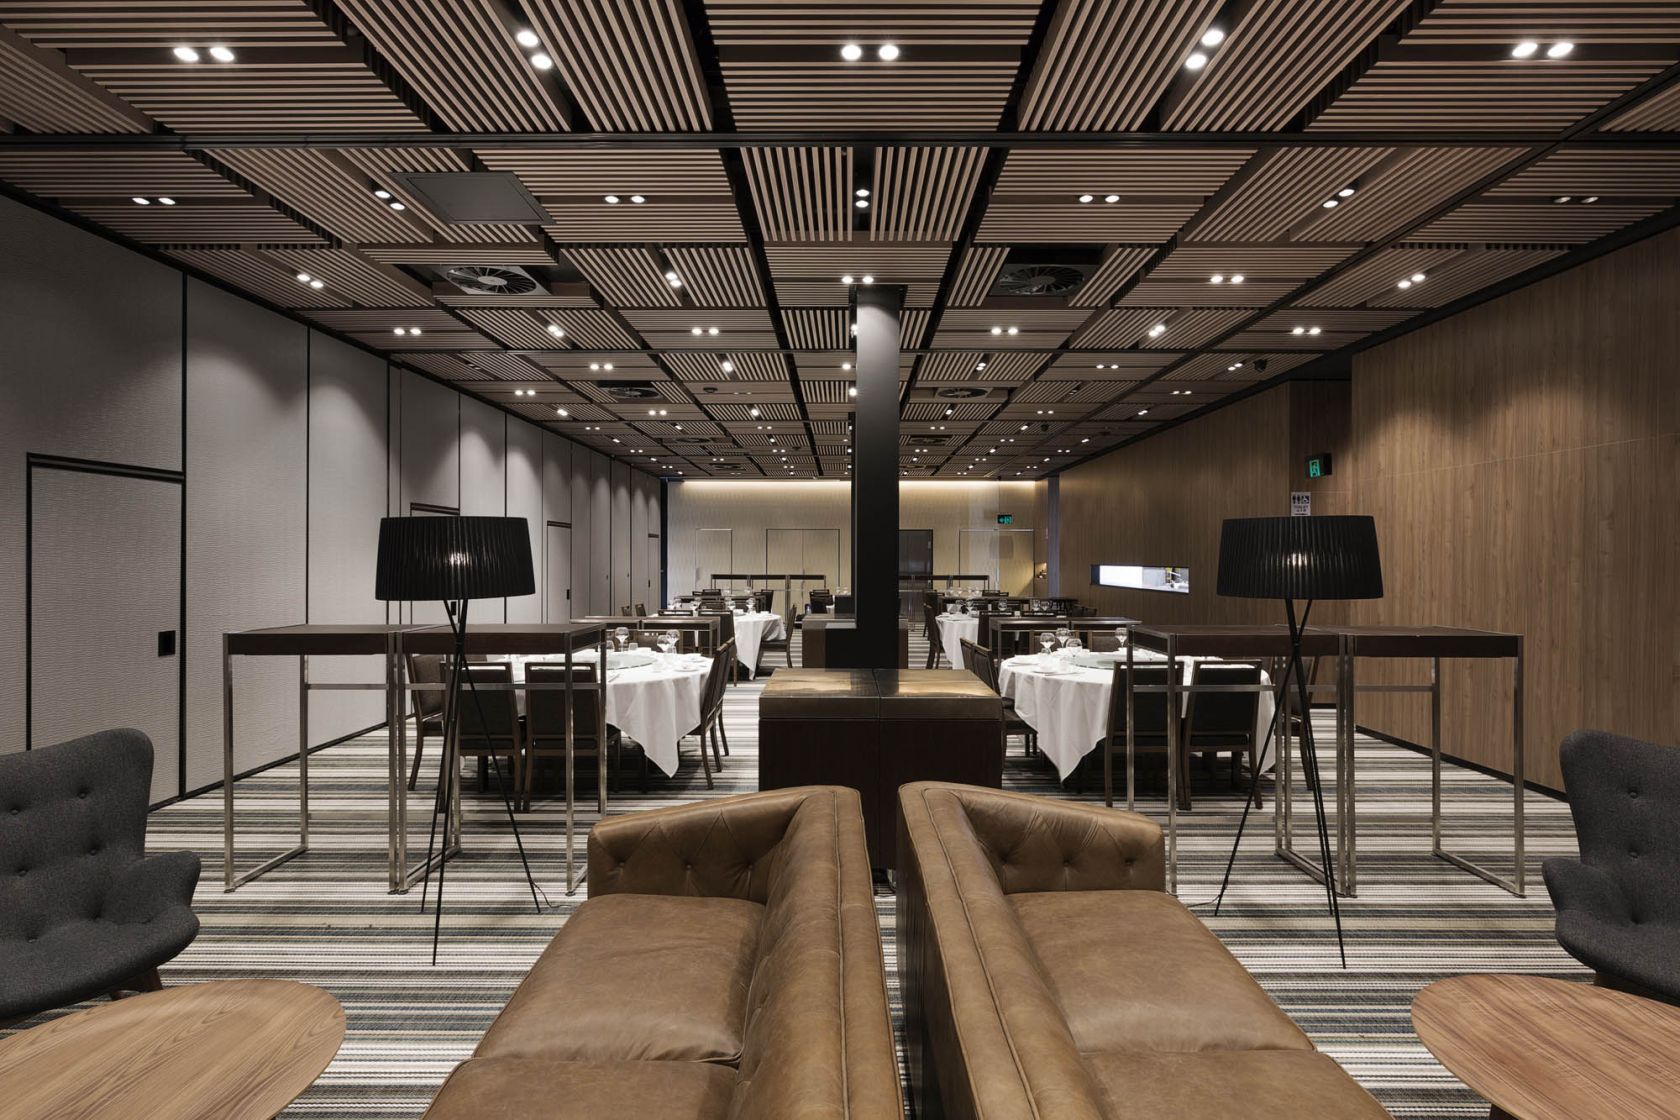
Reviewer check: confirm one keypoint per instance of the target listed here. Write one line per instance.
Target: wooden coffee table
(1541, 1049)
(226, 1050)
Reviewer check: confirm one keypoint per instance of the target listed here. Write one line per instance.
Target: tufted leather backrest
(1625, 797)
(72, 816)
(1037, 844)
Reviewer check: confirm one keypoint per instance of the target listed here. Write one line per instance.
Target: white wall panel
(557, 507)
(90, 367)
(347, 497)
(622, 590)
(525, 499)
(247, 424)
(431, 441)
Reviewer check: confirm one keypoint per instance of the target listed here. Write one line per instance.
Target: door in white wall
(104, 574)
(557, 574)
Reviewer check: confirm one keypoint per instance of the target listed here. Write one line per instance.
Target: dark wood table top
(1546, 1049)
(371, 638)
(1224, 640)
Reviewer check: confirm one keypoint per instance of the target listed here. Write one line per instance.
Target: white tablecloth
(751, 629)
(655, 704)
(1070, 710)
(954, 629)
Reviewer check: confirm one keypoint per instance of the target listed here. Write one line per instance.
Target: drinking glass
(1120, 636)
(622, 637)
(1074, 645)
(665, 645)
(1062, 633)
(1046, 640)
(673, 637)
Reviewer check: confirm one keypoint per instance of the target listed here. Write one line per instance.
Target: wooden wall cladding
(1162, 501)
(1523, 461)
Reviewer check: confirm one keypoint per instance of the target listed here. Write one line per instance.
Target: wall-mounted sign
(1318, 466)
(1141, 577)
(1006, 519)
(1300, 503)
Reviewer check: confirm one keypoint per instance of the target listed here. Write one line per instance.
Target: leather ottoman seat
(637, 978)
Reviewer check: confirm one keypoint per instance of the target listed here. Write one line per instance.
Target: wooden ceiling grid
(701, 163)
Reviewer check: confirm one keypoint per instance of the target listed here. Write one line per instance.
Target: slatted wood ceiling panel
(1403, 189)
(630, 63)
(922, 194)
(1284, 189)
(38, 91)
(1404, 95)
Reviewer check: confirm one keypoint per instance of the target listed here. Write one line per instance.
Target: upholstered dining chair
(936, 644)
(711, 710)
(782, 645)
(489, 721)
(545, 723)
(978, 660)
(1222, 722)
(1149, 709)
(83, 910)
(425, 668)
(1618, 905)
(639, 610)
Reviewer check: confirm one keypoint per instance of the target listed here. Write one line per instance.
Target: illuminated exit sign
(1006, 519)
(1318, 466)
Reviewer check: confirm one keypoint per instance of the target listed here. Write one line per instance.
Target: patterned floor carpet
(326, 918)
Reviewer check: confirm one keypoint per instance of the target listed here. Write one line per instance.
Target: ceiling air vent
(961, 393)
(1038, 278)
(631, 390)
(491, 280)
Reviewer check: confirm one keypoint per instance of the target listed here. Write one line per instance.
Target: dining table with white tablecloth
(653, 698)
(954, 629)
(1065, 700)
(753, 628)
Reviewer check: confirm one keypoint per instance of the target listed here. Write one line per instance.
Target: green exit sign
(1006, 519)
(1318, 466)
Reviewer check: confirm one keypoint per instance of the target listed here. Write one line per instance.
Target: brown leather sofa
(727, 964)
(1047, 976)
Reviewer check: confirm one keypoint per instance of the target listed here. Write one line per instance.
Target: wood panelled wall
(1162, 501)
(1523, 463)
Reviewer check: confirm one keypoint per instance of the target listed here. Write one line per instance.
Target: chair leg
(523, 783)
(419, 749)
(722, 734)
(147, 981)
(705, 763)
(717, 756)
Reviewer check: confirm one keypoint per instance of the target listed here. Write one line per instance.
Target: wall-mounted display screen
(1142, 577)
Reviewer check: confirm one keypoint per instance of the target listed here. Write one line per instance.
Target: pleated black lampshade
(1300, 558)
(431, 558)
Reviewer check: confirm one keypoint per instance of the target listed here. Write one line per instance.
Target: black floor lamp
(1306, 558)
(455, 560)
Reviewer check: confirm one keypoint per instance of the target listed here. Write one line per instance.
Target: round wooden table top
(225, 1050)
(1549, 1050)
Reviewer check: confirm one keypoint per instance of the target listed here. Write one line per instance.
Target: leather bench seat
(637, 978)
(517, 1088)
(1211, 1085)
(727, 964)
(1048, 976)
(1135, 970)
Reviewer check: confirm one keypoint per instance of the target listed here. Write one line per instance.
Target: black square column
(875, 475)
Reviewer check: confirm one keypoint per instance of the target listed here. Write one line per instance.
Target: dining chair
(978, 660)
(649, 639)
(930, 623)
(545, 723)
(425, 668)
(624, 612)
(1221, 722)
(1150, 711)
(783, 644)
(711, 713)
(726, 637)
(489, 721)
(640, 609)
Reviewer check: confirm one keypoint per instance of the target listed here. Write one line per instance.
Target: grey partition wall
(524, 498)
(247, 439)
(347, 496)
(103, 387)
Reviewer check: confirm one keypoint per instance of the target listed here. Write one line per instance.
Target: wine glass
(1074, 645)
(673, 637)
(1120, 637)
(1062, 634)
(1045, 641)
(622, 637)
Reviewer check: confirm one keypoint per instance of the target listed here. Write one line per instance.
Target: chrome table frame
(394, 642)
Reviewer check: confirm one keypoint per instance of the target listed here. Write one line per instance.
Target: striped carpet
(326, 919)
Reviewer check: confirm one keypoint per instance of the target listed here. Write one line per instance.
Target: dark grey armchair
(1618, 906)
(83, 910)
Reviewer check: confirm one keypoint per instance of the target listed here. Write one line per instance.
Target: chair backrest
(978, 660)
(1149, 708)
(726, 624)
(545, 709)
(717, 680)
(930, 620)
(639, 609)
(74, 816)
(1625, 797)
(1222, 713)
(427, 668)
(649, 639)
(494, 714)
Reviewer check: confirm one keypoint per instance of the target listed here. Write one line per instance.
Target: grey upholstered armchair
(83, 910)
(1618, 906)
